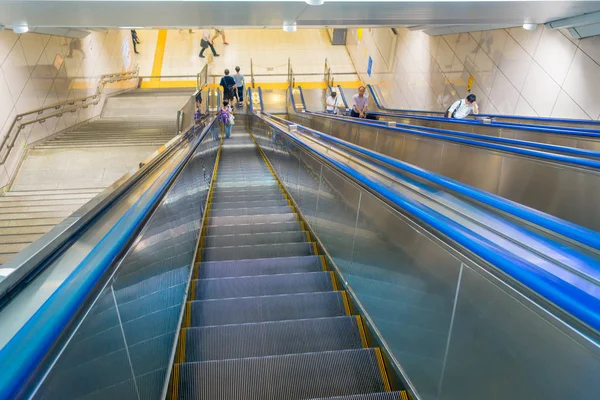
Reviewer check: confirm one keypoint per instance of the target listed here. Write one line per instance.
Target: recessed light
(289, 27)
(315, 2)
(530, 27)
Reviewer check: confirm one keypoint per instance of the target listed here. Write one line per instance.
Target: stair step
(255, 228)
(258, 251)
(262, 285)
(41, 203)
(272, 338)
(260, 266)
(37, 209)
(35, 215)
(24, 230)
(16, 239)
(267, 308)
(29, 222)
(247, 190)
(256, 239)
(297, 376)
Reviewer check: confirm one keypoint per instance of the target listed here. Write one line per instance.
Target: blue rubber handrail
(559, 158)
(559, 291)
(515, 117)
(512, 142)
(587, 133)
(566, 229)
(494, 139)
(260, 98)
(22, 354)
(302, 97)
(249, 99)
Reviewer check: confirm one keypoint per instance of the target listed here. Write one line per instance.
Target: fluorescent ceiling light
(315, 2)
(20, 29)
(131, 27)
(530, 27)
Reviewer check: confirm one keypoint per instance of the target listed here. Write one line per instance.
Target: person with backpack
(239, 83)
(226, 118)
(463, 107)
(228, 84)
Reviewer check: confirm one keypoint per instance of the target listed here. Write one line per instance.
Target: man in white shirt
(205, 43)
(334, 104)
(462, 108)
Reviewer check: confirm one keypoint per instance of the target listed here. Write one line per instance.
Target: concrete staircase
(62, 173)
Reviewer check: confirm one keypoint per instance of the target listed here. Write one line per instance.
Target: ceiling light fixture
(315, 2)
(530, 27)
(289, 27)
(20, 29)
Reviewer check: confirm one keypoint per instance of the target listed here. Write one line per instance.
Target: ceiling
(244, 13)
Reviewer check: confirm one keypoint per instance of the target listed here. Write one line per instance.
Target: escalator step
(260, 266)
(297, 376)
(250, 219)
(258, 251)
(250, 211)
(267, 308)
(272, 338)
(370, 396)
(262, 285)
(248, 204)
(230, 197)
(254, 228)
(254, 239)
(257, 185)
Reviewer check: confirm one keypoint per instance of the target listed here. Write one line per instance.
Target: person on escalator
(334, 104)
(228, 84)
(226, 118)
(462, 108)
(239, 83)
(359, 105)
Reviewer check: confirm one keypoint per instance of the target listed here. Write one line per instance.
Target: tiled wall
(517, 72)
(39, 70)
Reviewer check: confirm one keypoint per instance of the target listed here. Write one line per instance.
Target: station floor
(175, 53)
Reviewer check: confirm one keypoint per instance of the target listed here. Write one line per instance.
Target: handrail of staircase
(71, 105)
(202, 78)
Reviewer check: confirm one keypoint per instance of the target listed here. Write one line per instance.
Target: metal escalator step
(254, 228)
(258, 251)
(259, 183)
(250, 219)
(260, 266)
(262, 285)
(248, 190)
(237, 197)
(272, 338)
(370, 396)
(248, 204)
(250, 211)
(297, 376)
(252, 239)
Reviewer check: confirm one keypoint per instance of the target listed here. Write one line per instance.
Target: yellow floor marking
(159, 55)
(156, 83)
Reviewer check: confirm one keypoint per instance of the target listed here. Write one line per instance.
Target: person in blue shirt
(239, 83)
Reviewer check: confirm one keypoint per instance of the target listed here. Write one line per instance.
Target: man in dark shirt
(228, 84)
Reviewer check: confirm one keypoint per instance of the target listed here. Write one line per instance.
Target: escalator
(265, 271)
(265, 319)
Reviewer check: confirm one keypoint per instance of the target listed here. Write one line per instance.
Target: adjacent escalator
(265, 318)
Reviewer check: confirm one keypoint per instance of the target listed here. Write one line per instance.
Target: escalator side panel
(454, 328)
(130, 329)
